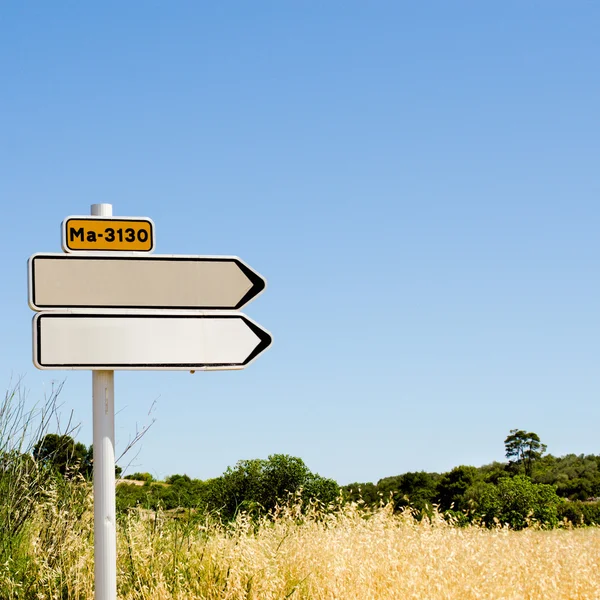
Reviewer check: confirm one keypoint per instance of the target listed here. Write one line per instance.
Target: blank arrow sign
(99, 281)
(156, 341)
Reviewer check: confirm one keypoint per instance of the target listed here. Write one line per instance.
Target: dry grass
(340, 555)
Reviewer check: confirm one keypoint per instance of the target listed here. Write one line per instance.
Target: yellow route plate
(122, 234)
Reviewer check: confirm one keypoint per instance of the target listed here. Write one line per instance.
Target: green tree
(452, 487)
(129, 496)
(63, 454)
(260, 485)
(515, 501)
(323, 489)
(282, 475)
(177, 478)
(141, 477)
(416, 489)
(66, 456)
(493, 472)
(523, 448)
(362, 492)
(576, 477)
(239, 488)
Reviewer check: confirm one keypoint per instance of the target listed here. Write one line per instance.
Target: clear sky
(418, 181)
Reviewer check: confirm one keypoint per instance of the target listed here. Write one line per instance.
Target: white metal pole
(105, 532)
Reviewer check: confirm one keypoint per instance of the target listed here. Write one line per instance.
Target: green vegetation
(529, 487)
(523, 448)
(46, 516)
(252, 485)
(63, 454)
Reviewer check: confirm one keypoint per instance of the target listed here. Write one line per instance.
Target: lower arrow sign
(161, 341)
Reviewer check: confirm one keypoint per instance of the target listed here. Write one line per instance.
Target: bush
(516, 501)
(259, 485)
(579, 513)
(140, 477)
(571, 512)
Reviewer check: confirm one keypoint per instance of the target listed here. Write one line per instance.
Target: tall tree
(259, 484)
(523, 448)
(62, 453)
(453, 485)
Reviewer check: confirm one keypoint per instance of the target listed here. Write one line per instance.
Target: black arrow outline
(258, 283)
(264, 337)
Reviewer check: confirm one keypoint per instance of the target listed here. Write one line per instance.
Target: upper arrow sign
(101, 281)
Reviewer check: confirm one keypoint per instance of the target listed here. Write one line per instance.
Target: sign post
(107, 304)
(105, 523)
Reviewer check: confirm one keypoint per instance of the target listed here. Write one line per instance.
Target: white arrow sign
(100, 280)
(158, 341)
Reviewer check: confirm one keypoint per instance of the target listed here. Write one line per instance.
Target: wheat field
(336, 555)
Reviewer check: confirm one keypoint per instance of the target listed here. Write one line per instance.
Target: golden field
(337, 555)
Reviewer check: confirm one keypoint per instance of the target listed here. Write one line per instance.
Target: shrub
(140, 477)
(579, 513)
(517, 502)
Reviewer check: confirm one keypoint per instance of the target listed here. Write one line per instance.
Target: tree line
(256, 485)
(531, 486)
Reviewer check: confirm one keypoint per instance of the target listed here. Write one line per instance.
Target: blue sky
(418, 182)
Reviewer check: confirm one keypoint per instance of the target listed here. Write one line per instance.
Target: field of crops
(316, 555)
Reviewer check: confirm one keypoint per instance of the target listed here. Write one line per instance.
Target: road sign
(126, 234)
(106, 306)
(152, 341)
(90, 280)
